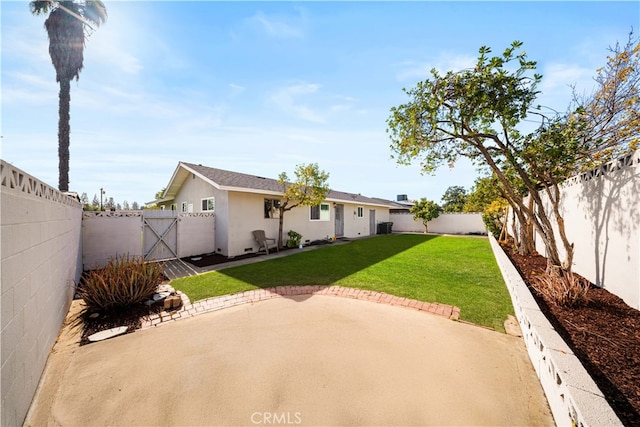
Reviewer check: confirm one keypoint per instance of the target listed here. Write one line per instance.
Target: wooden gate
(160, 235)
(151, 234)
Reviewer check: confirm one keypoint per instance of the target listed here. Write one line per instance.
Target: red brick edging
(217, 303)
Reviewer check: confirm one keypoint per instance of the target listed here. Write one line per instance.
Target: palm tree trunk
(64, 130)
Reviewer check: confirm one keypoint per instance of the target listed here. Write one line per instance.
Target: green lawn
(459, 271)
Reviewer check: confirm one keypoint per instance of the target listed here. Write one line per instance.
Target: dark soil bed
(604, 335)
(93, 321)
(213, 259)
(131, 317)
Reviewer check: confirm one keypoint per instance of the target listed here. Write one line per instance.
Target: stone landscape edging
(573, 396)
(189, 309)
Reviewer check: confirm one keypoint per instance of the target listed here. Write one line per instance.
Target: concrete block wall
(446, 223)
(601, 211)
(196, 234)
(41, 252)
(106, 235)
(573, 396)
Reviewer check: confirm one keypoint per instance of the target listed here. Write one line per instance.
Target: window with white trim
(186, 207)
(319, 212)
(360, 212)
(271, 208)
(209, 204)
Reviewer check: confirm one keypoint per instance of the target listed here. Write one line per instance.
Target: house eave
(251, 190)
(356, 202)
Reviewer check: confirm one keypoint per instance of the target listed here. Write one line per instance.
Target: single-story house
(243, 203)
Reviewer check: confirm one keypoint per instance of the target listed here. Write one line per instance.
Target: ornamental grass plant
(568, 291)
(125, 281)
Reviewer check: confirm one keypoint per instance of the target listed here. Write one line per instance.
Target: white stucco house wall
(243, 203)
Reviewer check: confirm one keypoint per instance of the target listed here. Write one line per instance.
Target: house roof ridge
(199, 165)
(241, 180)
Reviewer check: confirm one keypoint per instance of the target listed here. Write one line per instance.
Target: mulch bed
(213, 259)
(131, 317)
(604, 335)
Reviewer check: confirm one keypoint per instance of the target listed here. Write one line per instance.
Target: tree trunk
(523, 236)
(426, 227)
(554, 197)
(539, 219)
(528, 243)
(504, 234)
(64, 130)
(280, 226)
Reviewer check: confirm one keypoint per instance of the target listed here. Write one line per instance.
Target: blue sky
(258, 87)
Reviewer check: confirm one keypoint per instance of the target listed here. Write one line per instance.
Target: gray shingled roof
(225, 178)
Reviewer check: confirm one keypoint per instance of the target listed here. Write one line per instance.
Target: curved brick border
(226, 301)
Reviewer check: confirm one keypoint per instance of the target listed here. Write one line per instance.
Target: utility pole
(101, 193)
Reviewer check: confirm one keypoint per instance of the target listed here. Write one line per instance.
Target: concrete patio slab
(303, 360)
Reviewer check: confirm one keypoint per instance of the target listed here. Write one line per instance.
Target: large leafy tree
(475, 113)
(425, 210)
(485, 197)
(607, 122)
(482, 194)
(454, 198)
(68, 25)
(309, 188)
(488, 197)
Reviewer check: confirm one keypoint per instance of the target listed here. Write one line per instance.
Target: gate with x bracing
(160, 234)
(154, 235)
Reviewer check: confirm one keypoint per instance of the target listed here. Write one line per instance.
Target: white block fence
(446, 223)
(152, 234)
(40, 264)
(573, 396)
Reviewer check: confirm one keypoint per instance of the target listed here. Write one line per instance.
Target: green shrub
(294, 239)
(125, 281)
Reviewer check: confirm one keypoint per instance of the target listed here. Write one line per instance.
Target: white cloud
(563, 75)
(111, 47)
(29, 89)
(236, 89)
(420, 70)
(278, 26)
(287, 99)
(114, 55)
(557, 81)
